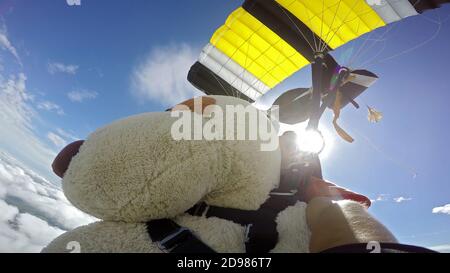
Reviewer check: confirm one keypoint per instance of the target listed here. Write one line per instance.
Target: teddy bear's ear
(62, 160)
(191, 104)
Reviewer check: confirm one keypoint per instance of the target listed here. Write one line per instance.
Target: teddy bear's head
(137, 169)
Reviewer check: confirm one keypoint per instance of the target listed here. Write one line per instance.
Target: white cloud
(402, 199)
(162, 76)
(57, 140)
(380, 198)
(384, 197)
(6, 44)
(61, 138)
(81, 95)
(444, 209)
(50, 106)
(66, 135)
(22, 232)
(34, 211)
(56, 67)
(441, 248)
(18, 136)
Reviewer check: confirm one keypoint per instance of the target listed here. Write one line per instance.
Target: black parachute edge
(210, 83)
(424, 5)
(281, 21)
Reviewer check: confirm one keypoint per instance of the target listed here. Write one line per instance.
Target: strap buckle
(247, 232)
(174, 239)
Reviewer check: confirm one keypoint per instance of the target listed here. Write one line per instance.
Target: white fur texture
(132, 170)
(221, 235)
(293, 231)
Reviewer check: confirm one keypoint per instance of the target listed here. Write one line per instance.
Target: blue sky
(66, 70)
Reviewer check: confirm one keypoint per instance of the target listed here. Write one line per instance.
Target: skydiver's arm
(339, 223)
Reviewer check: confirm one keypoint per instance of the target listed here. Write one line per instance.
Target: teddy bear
(133, 172)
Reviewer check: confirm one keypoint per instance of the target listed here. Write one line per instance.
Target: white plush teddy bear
(133, 171)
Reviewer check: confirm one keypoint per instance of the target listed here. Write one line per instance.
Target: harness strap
(173, 238)
(261, 224)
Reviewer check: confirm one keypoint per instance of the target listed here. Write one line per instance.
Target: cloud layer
(50, 106)
(18, 134)
(57, 140)
(34, 211)
(441, 248)
(6, 44)
(162, 76)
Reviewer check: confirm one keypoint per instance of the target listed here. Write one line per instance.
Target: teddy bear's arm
(104, 237)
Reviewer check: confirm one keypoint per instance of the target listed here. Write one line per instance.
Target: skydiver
(338, 218)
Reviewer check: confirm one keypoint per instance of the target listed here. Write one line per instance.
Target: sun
(311, 141)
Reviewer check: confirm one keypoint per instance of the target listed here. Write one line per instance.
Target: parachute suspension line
(317, 49)
(316, 43)
(308, 15)
(406, 51)
(437, 22)
(236, 50)
(321, 27)
(332, 23)
(298, 29)
(356, 55)
(243, 71)
(276, 60)
(223, 87)
(366, 47)
(364, 44)
(359, 26)
(317, 75)
(381, 39)
(251, 62)
(343, 22)
(396, 162)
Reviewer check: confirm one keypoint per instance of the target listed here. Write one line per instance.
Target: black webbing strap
(262, 233)
(261, 224)
(173, 238)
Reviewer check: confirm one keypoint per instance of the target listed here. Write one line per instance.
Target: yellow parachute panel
(336, 22)
(257, 48)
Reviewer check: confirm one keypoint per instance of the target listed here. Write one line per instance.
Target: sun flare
(311, 141)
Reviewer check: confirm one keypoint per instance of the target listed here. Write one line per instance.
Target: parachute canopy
(263, 42)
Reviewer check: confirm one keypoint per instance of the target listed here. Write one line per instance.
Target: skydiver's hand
(321, 188)
(339, 223)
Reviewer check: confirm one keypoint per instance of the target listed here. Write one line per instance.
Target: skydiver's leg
(339, 223)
